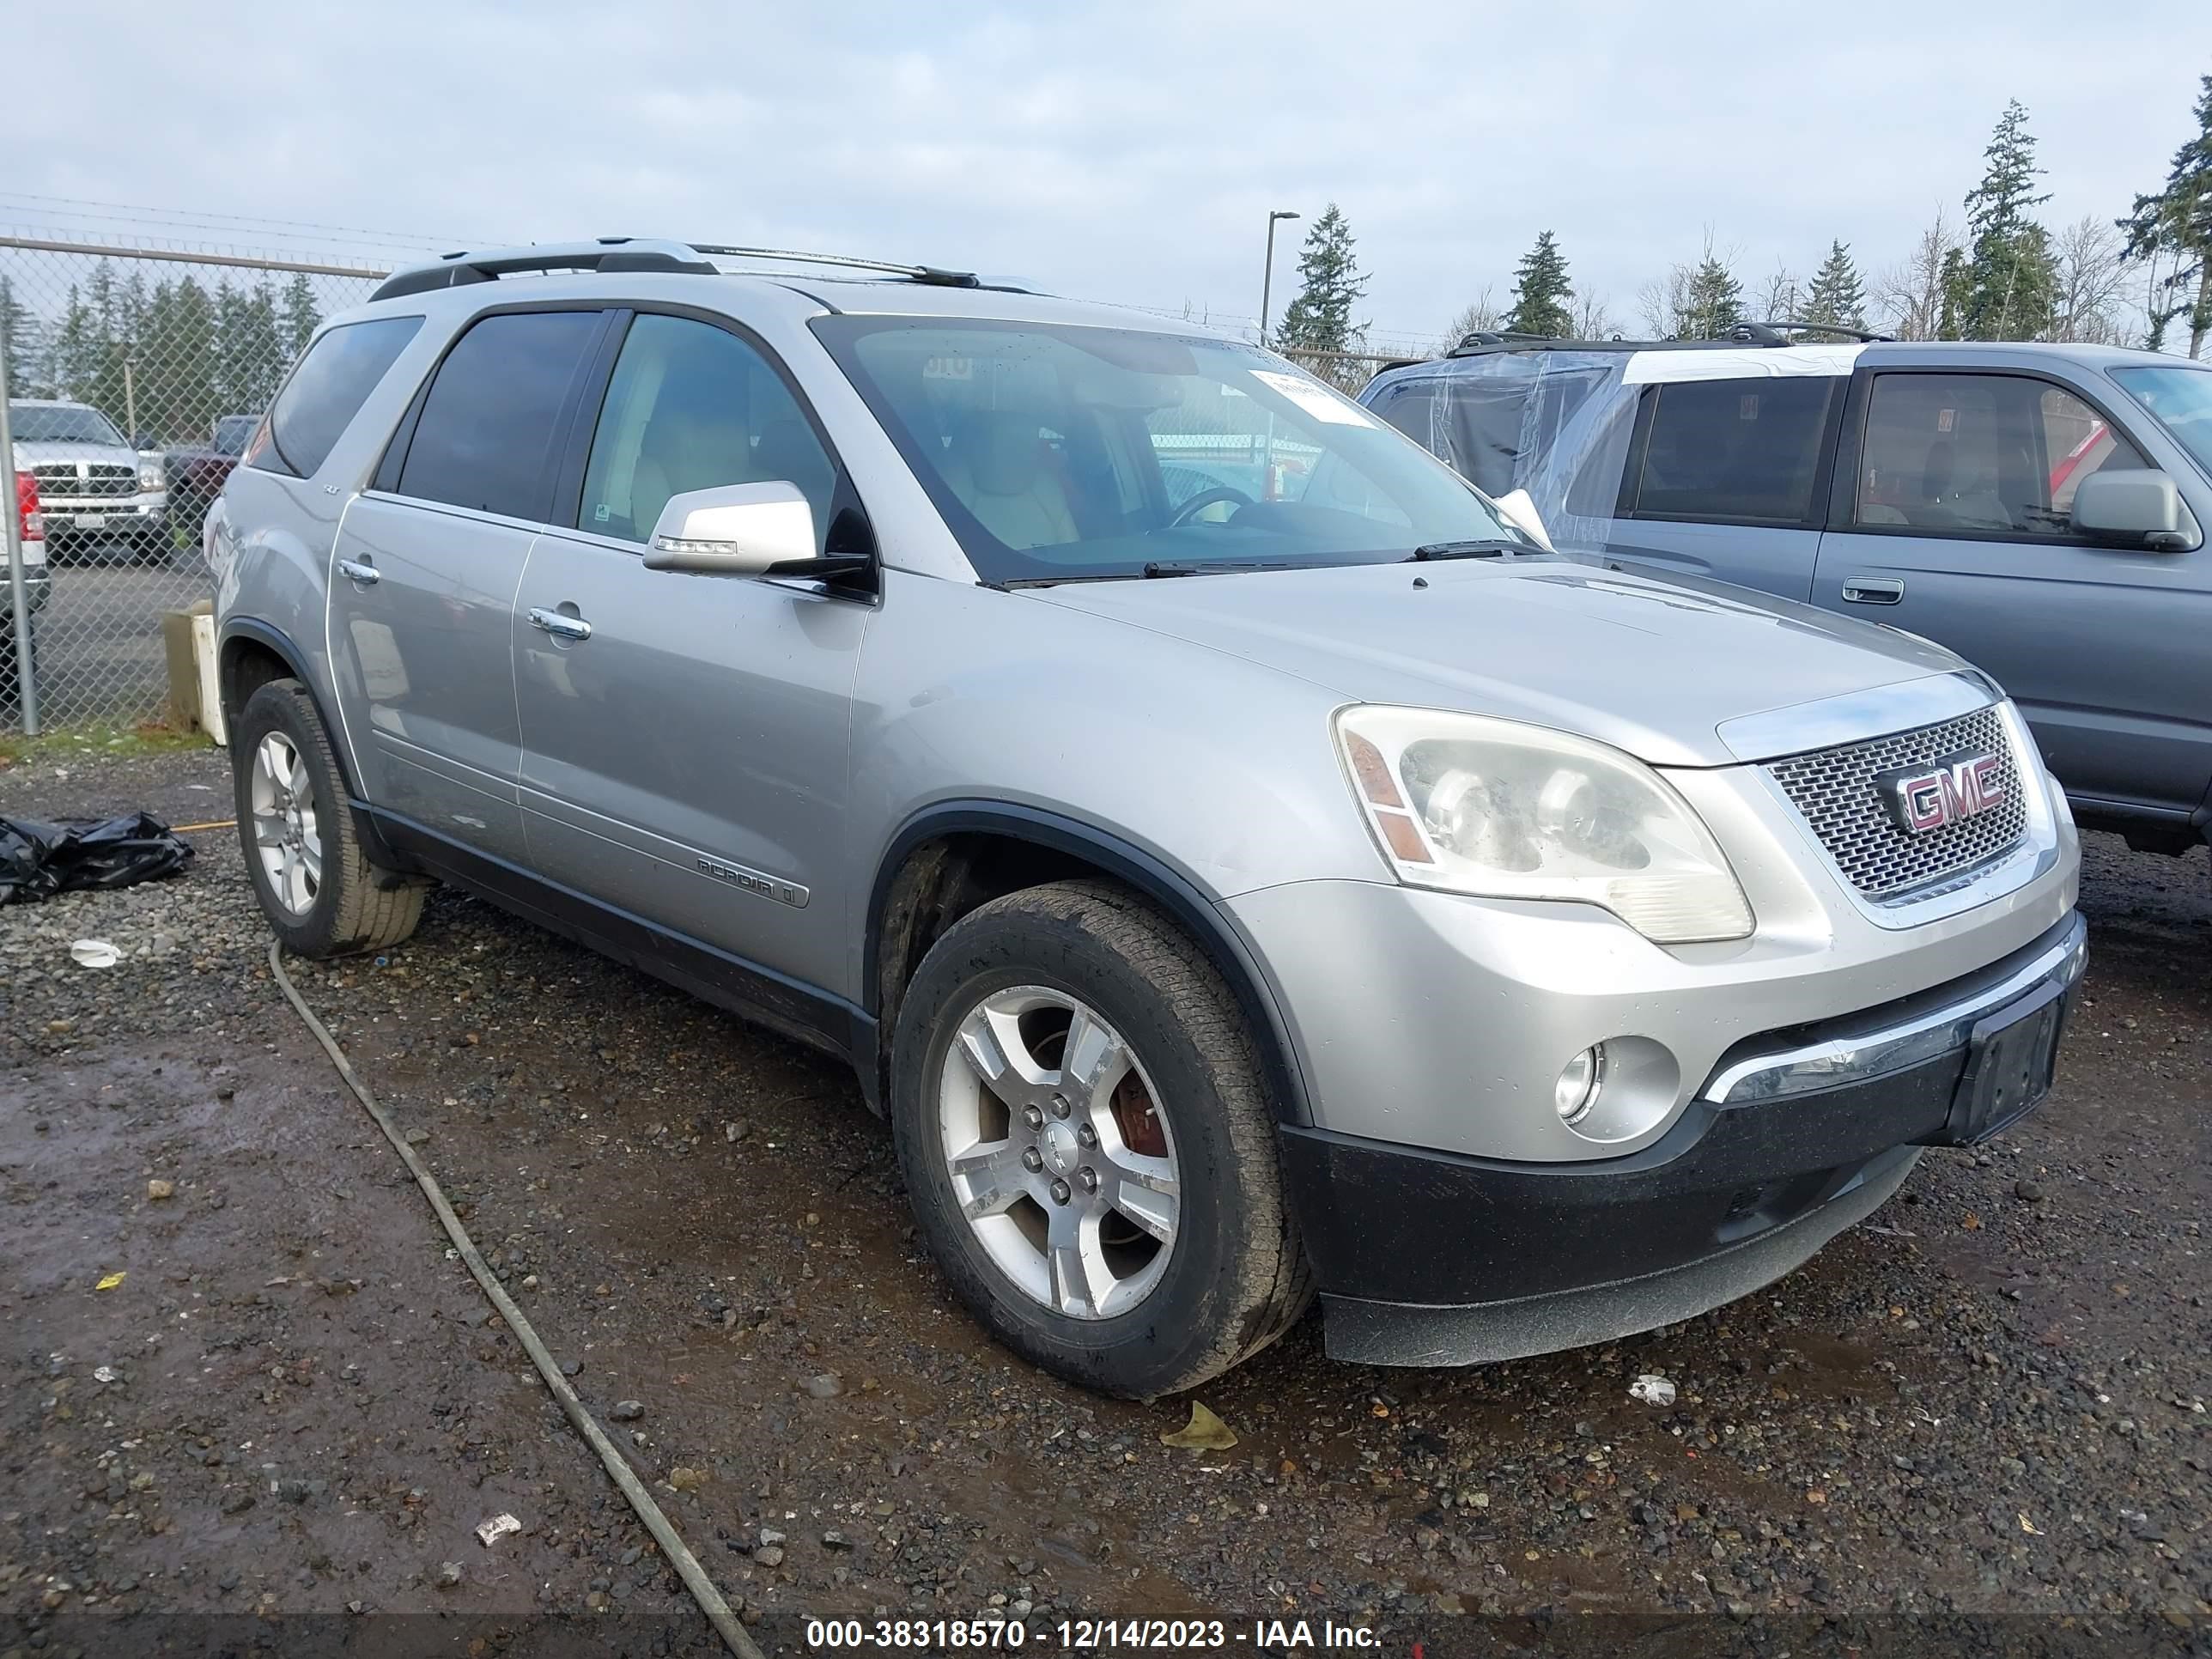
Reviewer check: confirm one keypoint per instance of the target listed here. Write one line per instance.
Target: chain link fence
(134, 377)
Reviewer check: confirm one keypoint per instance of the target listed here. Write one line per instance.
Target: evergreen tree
(2178, 222)
(177, 362)
(1712, 300)
(1542, 292)
(2010, 276)
(20, 329)
(1954, 286)
(250, 355)
(74, 354)
(300, 317)
(1320, 318)
(1837, 295)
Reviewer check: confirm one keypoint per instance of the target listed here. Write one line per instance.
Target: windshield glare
(2181, 398)
(44, 424)
(1056, 453)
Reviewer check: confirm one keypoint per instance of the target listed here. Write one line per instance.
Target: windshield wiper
(1494, 547)
(1152, 570)
(1186, 567)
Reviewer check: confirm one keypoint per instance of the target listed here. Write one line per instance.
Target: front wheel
(1088, 1146)
(317, 886)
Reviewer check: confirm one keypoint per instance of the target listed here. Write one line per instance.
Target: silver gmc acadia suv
(1239, 862)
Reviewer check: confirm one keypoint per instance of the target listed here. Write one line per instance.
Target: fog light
(1575, 1092)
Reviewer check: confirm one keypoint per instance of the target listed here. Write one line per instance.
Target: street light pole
(1267, 279)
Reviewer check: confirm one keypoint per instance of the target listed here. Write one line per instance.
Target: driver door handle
(355, 570)
(559, 624)
(1870, 590)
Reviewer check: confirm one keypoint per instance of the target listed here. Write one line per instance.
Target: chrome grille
(61, 478)
(1835, 790)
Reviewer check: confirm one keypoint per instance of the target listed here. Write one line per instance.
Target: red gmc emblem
(1937, 793)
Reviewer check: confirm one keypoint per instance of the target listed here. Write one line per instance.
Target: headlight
(149, 475)
(1501, 809)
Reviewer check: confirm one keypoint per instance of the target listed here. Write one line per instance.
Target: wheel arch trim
(1173, 889)
(274, 639)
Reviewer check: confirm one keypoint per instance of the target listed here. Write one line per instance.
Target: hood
(46, 453)
(1650, 667)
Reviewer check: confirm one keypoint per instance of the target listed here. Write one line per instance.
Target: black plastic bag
(38, 861)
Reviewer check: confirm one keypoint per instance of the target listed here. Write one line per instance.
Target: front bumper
(71, 517)
(1437, 1258)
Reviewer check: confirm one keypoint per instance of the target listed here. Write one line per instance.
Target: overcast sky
(1126, 150)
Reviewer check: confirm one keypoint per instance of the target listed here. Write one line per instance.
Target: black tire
(1236, 1279)
(357, 905)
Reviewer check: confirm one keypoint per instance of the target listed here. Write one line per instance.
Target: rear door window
(1744, 451)
(327, 390)
(1982, 454)
(489, 426)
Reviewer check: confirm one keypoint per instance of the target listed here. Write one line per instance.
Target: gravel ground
(1980, 1420)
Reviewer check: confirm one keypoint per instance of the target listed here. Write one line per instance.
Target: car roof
(621, 267)
(1734, 359)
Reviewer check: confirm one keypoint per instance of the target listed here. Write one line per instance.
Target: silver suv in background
(93, 486)
(2039, 509)
(1295, 882)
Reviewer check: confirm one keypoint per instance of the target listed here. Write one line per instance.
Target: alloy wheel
(287, 837)
(1059, 1154)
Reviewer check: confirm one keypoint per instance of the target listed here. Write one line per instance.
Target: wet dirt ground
(1988, 1405)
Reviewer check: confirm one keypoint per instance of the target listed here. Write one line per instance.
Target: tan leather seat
(1003, 473)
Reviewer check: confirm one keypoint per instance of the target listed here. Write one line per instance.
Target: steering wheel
(1205, 498)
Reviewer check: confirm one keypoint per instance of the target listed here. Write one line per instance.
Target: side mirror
(2137, 507)
(737, 530)
(144, 443)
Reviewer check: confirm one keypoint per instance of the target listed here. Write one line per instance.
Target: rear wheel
(318, 889)
(1088, 1145)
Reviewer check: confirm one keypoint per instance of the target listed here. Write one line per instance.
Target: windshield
(232, 431)
(1059, 454)
(59, 423)
(2182, 400)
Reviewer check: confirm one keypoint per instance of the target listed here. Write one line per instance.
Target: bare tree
(1780, 296)
(1662, 300)
(2090, 306)
(1594, 319)
(1909, 295)
(1484, 314)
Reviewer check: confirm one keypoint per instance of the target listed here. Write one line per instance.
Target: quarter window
(486, 436)
(327, 390)
(1734, 451)
(691, 407)
(1985, 453)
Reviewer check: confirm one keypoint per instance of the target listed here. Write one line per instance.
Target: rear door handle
(1869, 590)
(357, 571)
(560, 623)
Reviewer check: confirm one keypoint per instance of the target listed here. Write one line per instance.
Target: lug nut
(1059, 1107)
(1085, 1135)
(1087, 1178)
(1033, 1160)
(1061, 1193)
(1033, 1117)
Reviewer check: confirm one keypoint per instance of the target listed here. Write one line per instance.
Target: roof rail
(1773, 333)
(617, 253)
(932, 275)
(1485, 342)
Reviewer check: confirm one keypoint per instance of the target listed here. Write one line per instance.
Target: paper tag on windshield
(1316, 401)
